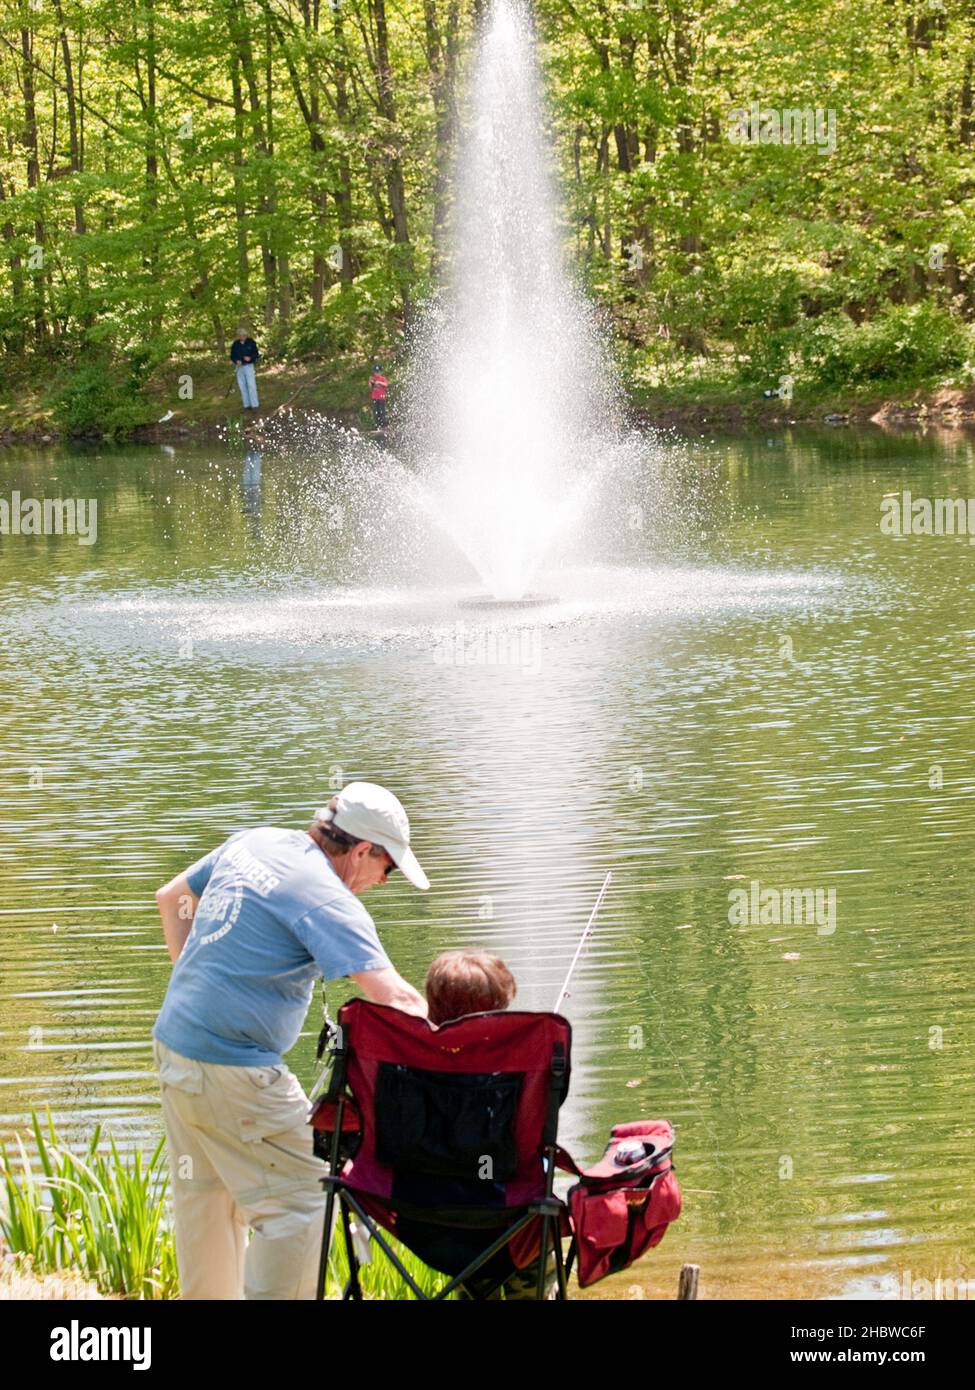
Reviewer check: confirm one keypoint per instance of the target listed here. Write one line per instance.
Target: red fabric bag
(622, 1205)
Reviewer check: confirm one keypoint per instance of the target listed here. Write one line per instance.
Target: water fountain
(512, 410)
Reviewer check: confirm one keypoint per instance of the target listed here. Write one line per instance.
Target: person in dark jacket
(244, 355)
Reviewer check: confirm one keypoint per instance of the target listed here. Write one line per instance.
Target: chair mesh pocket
(447, 1125)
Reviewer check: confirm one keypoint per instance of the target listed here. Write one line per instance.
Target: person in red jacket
(378, 386)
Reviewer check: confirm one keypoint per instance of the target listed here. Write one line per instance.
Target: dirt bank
(299, 395)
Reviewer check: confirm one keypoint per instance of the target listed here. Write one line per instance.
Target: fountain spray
(512, 409)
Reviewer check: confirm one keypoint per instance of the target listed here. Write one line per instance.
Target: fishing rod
(329, 1027)
(587, 930)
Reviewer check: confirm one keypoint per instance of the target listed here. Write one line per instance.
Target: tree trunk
(308, 99)
(319, 194)
(348, 266)
(241, 41)
(395, 183)
(442, 63)
(240, 203)
(683, 69)
(30, 143)
(15, 341)
(151, 261)
(281, 248)
(74, 135)
(606, 240)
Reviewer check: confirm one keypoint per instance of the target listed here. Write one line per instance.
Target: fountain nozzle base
(525, 601)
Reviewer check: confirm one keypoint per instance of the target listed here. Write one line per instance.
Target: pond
(744, 686)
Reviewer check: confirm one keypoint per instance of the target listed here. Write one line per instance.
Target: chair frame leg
(330, 1183)
(542, 1261)
(355, 1289)
(549, 1210)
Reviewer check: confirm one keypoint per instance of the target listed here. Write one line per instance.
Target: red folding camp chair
(446, 1138)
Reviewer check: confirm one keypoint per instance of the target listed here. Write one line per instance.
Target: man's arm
(389, 987)
(177, 908)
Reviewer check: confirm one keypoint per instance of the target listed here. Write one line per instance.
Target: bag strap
(556, 1094)
(565, 1161)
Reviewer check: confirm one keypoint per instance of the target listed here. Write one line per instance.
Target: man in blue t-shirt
(250, 927)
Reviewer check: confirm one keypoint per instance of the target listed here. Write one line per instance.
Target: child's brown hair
(467, 982)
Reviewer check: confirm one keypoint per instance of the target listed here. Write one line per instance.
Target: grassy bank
(197, 398)
(690, 403)
(18, 1281)
(192, 398)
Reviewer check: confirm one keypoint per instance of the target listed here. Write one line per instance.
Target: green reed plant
(99, 1212)
(104, 1213)
(25, 1222)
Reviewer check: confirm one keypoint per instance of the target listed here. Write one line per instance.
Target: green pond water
(743, 682)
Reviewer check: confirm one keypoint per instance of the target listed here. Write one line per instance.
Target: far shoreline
(294, 394)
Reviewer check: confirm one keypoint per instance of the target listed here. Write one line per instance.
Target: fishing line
(563, 993)
(586, 931)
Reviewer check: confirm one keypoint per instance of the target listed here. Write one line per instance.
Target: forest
(749, 191)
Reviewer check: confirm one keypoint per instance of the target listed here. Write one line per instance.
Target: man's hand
(177, 908)
(389, 987)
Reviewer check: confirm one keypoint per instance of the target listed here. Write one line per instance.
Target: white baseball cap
(370, 812)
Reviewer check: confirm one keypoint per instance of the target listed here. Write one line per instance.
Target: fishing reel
(329, 1042)
(329, 1105)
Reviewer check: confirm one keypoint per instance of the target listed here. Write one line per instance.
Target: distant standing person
(378, 386)
(244, 355)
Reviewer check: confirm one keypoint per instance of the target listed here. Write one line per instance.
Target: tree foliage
(169, 168)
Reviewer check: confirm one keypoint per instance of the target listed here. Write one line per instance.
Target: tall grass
(99, 1212)
(104, 1214)
(380, 1279)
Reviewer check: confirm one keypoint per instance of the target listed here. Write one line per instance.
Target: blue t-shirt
(273, 917)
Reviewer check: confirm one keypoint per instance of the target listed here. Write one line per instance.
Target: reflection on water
(742, 681)
(251, 488)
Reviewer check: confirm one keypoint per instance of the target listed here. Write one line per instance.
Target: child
(467, 982)
(474, 982)
(378, 385)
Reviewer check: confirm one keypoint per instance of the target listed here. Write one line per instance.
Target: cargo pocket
(262, 1078)
(604, 1220)
(182, 1073)
(663, 1204)
(270, 1101)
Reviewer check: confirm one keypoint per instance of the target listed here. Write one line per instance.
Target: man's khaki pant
(240, 1153)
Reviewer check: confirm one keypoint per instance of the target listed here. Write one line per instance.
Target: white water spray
(512, 410)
